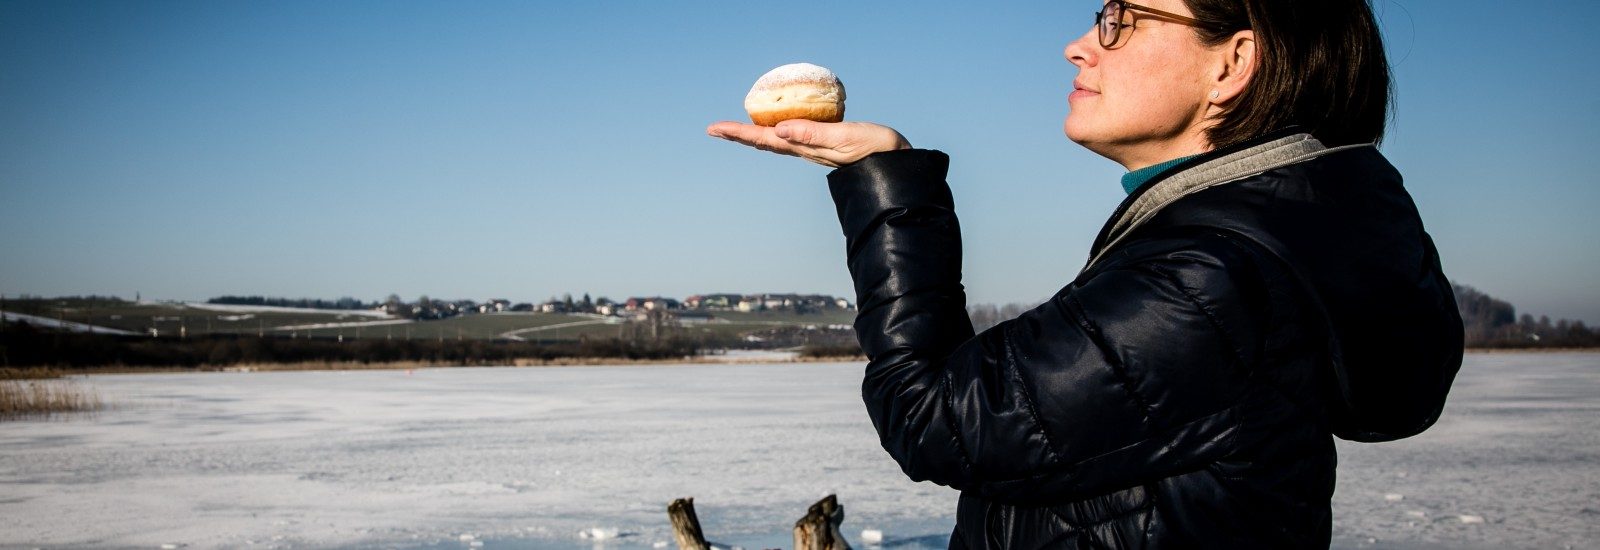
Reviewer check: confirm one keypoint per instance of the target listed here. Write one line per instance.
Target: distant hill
(1488, 322)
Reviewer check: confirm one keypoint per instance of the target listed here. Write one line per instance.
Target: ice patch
(599, 533)
(872, 536)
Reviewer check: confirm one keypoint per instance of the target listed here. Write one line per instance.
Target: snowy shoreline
(727, 357)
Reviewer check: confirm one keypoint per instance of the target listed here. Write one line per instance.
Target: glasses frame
(1124, 7)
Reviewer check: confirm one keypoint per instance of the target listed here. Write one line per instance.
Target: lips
(1079, 91)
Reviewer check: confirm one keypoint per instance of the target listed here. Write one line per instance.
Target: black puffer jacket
(1184, 390)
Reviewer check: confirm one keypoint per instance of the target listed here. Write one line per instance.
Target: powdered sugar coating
(794, 73)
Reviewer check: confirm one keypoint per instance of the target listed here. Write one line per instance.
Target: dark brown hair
(1319, 65)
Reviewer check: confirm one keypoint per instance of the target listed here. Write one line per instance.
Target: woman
(1266, 286)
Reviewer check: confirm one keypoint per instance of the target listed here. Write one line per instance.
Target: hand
(832, 144)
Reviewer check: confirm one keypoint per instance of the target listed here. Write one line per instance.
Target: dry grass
(31, 373)
(44, 397)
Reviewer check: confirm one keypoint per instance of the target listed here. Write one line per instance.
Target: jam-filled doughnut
(796, 90)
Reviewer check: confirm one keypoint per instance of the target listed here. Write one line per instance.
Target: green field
(823, 318)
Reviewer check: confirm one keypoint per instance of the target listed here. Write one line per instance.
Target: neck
(1132, 180)
(1144, 155)
(1156, 145)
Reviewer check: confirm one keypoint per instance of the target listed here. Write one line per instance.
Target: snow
(600, 533)
(541, 457)
(236, 308)
(748, 356)
(517, 334)
(524, 454)
(65, 325)
(1514, 462)
(352, 324)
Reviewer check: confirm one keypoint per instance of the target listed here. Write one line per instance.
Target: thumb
(799, 131)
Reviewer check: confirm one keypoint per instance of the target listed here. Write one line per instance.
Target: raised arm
(1130, 374)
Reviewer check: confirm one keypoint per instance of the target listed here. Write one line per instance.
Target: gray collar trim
(1228, 168)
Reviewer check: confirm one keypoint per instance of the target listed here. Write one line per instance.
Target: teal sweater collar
(1132, 180)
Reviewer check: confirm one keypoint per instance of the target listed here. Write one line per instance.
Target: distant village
(699, 305)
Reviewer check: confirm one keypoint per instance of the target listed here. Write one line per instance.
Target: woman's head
(1321, 67)
(1191, 75)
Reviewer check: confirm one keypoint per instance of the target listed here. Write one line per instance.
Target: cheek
(1163, 97)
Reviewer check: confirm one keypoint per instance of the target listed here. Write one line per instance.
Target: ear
(1236, 60)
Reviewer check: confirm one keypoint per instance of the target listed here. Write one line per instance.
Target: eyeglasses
(1110, 20)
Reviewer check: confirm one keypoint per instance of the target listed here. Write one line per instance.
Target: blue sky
(185, 150)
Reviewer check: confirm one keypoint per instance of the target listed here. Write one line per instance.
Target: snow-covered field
(65, 325)
(536, 457)
(238, 308)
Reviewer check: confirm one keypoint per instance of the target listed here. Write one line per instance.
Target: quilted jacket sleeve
(1130, 374)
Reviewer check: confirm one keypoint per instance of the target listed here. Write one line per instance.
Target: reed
(30, 373)
(45, 397)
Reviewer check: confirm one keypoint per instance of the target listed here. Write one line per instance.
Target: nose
(1084, 51)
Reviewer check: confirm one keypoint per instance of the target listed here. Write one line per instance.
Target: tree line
(345, 302)
(1486, 322)
(1494, 323)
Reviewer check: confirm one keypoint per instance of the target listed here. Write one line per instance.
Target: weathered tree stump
(819, 529)
(686, 526)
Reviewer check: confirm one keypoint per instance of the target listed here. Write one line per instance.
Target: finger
(821, 135)
(720, 129)
(826, 143)
(760, 137)
(797, 131)
(737, 131)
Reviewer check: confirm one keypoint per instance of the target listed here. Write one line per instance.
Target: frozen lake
(532, 457)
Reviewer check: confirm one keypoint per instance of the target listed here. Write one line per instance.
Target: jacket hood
(1344, 226)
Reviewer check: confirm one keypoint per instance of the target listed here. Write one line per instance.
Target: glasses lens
(1110, 23)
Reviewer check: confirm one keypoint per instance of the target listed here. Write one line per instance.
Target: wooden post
(685, 526)
(819, 529)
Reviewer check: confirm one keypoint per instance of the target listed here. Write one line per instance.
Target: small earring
(1214, 94)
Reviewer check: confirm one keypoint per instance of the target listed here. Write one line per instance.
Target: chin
(1096, 142)
(1076, 132)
